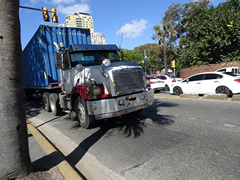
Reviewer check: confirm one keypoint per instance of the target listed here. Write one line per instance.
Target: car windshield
(152, 77)
(93, 57)
(172, 77)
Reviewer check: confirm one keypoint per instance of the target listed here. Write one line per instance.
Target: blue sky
(132, 18)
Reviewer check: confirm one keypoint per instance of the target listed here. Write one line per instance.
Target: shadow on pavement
(130, 125)
(33, 107)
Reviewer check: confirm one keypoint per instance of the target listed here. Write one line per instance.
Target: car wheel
(54, 104)
(223, 90)
(46, 101)
(166, 88)
(85, 120)
(177, 91)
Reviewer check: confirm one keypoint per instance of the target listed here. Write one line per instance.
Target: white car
(168, 80)
(230, 70)
(156, 83)
(208, 83)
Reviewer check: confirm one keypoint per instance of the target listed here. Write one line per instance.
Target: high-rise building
(98, 38)
(80, 20)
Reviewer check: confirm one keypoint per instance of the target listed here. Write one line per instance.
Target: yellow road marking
(65, 168)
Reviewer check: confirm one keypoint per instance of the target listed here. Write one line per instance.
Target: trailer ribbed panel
(38, 60)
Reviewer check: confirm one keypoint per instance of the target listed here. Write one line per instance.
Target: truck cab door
(67, 73)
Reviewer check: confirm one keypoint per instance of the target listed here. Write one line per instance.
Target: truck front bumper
(118, 106)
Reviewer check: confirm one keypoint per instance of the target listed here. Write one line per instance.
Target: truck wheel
(46, 101)
(85, 120)
(54, 104)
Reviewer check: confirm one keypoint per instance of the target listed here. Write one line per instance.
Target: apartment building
(98, 38)
(84, 21)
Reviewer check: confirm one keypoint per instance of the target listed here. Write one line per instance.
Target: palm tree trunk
(165, 56)
(14, 153)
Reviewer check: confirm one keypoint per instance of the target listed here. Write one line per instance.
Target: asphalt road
(173, 139)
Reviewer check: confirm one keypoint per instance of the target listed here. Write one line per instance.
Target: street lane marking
(230, 125)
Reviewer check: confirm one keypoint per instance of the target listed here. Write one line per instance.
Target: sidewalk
(48, 163)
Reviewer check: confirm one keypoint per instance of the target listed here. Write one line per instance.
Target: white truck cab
(96, 84)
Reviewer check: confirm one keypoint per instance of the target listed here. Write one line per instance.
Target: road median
(236, 97)
(206, 96)
(191, 95)
(216, 96)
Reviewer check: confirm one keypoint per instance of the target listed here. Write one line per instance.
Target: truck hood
(121, 65)
(119, 78)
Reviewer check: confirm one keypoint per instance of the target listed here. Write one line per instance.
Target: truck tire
(46, 101)
(54, 104)
(85, 120)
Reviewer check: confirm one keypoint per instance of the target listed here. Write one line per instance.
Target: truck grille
(128, 81)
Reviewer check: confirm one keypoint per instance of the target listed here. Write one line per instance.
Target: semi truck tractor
(89, 80)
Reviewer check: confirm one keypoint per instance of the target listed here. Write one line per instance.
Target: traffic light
(45, 14)
(54, 15)
(173, 63)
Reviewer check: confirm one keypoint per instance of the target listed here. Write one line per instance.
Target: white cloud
(133, 29)
(85, 8)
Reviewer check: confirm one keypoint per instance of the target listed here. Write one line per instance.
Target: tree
(14, 153)
(182, 16)
(154, 55)
(163, 33)
(131, 55)
(214, 36)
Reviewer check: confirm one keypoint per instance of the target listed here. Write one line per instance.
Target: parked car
(156, 83)
(168, 80)
(208, 83)
(230, 70)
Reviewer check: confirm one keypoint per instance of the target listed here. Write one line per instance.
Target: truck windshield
(87, 58)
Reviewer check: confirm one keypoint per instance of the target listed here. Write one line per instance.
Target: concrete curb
(189, 96)
(209, 97)
(236, 98)
(216, 96)
(58, 160)
(164, 95)
(88, 164)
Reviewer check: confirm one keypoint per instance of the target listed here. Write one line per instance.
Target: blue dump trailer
(39, 71)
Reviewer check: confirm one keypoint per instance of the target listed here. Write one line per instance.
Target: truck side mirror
(58, 60)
